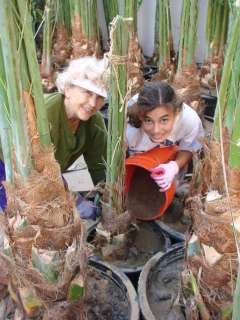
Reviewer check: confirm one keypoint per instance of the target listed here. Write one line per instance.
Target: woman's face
(158, 123)
(80, 103)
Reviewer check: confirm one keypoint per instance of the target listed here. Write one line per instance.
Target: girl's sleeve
(192, 140)
(130, 139)
(128, 135)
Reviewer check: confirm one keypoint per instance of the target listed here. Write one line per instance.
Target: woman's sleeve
(95, 152)
(53, 104)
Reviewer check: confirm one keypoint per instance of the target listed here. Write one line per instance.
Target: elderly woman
(76, 126)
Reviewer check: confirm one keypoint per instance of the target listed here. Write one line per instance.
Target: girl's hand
(164, 174)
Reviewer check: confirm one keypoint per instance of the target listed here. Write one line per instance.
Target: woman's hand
(164, 174)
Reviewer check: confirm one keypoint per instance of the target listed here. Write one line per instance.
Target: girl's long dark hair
(153, 95)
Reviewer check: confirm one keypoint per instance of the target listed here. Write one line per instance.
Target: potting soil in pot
(135, 248)
(144, 243)
(106, 300)
(163, 289)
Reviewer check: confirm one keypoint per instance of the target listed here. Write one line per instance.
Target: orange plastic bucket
(147, 161)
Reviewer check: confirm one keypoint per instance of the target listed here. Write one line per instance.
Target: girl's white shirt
(187, 133)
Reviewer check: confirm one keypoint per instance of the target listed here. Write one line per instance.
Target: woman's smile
(81, 103)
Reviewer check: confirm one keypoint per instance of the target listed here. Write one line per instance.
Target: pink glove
(164, 174)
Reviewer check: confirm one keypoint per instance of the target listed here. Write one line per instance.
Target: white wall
(146, 25)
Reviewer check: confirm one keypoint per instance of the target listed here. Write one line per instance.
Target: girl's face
(159, 122)
(80, 103)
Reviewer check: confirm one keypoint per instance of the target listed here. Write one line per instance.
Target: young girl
(158, 119)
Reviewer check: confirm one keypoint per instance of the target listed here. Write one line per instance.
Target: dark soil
(174, 217)
(164, 288)
(141, 243)
(147, 240)
(106, 301)
(144, 198)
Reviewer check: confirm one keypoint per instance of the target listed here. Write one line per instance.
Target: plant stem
(5, 129)
(21, 141)
(163, 33)
(117, 113)
(236, 304)
(226, 77)
(201, 306)
(48, 27)
(111, 10)
(130, 11)
(42, 120)
(188, 33)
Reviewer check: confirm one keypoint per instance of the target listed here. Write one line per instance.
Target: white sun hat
(91, 86)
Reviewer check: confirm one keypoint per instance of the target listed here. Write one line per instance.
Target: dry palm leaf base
(187, 86)
(207, 302)
(112, 235)
(208, 171)
(212, 256)
(62, 47)
(81, 45)
(216, 269)
(166, 72)
(214, 228)
(211, 73)
(47, 75)
(135, 75)
(43, 237)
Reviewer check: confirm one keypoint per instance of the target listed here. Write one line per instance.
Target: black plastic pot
(104, 112)
(174, 234)
(159, 262)
(121, 281)
(210, 103)
(172, 221)
(133, 272)
(149, 71)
